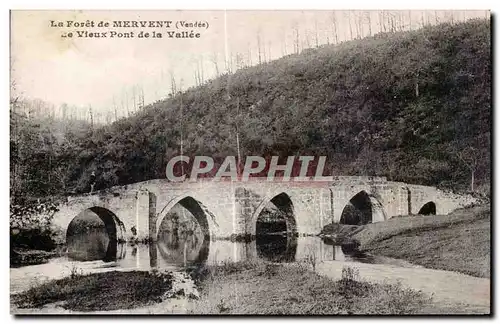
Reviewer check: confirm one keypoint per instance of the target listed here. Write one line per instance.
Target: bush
(99, 291)
(266, 288)
(34, 238)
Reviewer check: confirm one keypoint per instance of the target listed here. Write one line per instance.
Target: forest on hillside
(413, 106)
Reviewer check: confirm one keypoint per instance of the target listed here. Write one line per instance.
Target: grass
(271, 289)
(458, 242)
(22, 257)
(98, 291)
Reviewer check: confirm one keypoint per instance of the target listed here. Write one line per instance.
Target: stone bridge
(225, 208)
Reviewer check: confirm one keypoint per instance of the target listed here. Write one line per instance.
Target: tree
(64, 111)
(316, 36)
(173, 87)
(127, 102)
(369, 21)
(141, 96)
(350, 24)
(470, 157)
(134, 98)
(91, 117)
(214, 60)
(283, 43)
(381, 19)
(359, 16)
(296, 44)
(201, 70)
(400, 20)
(334, 26)
(249, 55)
(196, 76)
(307, 40)
(269, 51)
(409, 20)
(259, 46)
(392, 22)
(122, 105)
(239, 61)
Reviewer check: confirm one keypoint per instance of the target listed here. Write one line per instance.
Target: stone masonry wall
(233, 207)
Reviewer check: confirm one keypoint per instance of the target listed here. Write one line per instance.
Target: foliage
(22, 257)
(266, 288)
(99, 291)
(30, 226)
(399, 105)
(42, 156)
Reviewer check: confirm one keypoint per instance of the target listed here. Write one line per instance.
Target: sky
(104, 72)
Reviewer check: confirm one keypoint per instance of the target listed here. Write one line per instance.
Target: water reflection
(183, 249)
(350, 251)
(94, 244)
(192, 250)
(153, 255)
(90, 238)
(276, 248)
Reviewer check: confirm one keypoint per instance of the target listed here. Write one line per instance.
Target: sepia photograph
(250, 162)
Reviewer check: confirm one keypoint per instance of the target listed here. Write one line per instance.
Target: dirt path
(451, 291)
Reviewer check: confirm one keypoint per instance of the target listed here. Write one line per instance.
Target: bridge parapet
(359, 179)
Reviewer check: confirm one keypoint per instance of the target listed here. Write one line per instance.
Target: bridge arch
(114, 226)
(428, 208)
(285, 206)
(195, 207)
(363, 208)
(95, 246)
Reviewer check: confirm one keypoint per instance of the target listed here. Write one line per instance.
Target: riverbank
(271, 289)
(452, 292)
(231, 288)
(459, 241)
(20, 257)
(259, 287)
(99, 291)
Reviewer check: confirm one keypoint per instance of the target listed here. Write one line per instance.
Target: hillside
(403, 105)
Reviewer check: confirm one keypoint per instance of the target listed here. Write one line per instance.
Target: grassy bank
(22, 257)
(98, 291)
(459, 241)
(265, 288)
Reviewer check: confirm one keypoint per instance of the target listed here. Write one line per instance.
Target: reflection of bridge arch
(276, 248)
(362, 208)
(428, 208)
(195, 207)
(186, 253)
(284, 204)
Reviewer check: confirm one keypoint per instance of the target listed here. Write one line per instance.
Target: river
(94, 253)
